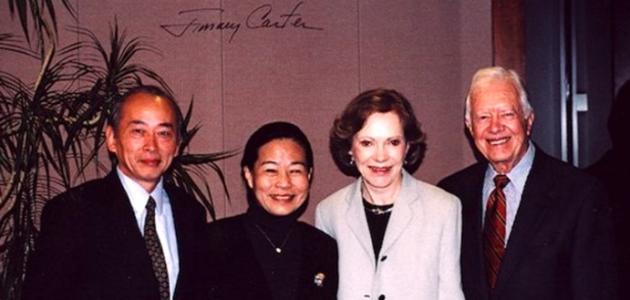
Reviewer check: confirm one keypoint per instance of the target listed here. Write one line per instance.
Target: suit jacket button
(381, 297)
(383, 258)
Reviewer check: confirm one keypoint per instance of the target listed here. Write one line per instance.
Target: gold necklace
(277, 248)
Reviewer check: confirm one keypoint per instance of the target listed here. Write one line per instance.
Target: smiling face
(145, 142)
(280, 178)
(498, 125)
(379, 149)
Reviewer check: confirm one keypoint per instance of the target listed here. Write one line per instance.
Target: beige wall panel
(259, 69)
(297, 75)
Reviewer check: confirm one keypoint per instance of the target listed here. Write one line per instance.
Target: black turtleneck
(266, 232)
(377, 223)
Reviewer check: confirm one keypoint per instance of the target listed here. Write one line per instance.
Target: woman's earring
(351, 160)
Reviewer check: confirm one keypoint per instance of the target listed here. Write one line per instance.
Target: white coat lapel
(357, 221)
(402, 213)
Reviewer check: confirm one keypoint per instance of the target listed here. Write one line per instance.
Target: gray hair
(116, 113)
(498, 73)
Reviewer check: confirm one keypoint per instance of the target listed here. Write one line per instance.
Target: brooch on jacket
(319, 279)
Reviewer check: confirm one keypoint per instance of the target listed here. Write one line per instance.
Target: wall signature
(202, 20)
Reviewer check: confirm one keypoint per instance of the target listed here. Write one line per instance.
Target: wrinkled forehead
(148, 107)
(495, 92)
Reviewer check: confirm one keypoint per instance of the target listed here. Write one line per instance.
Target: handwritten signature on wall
(196, 21)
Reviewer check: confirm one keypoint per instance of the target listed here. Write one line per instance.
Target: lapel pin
(319, 279)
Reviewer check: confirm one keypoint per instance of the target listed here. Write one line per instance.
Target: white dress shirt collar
(518, 174)
(164, 222)
(513, 190)
(138, 196)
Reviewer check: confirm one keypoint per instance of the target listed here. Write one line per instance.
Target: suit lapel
(307, 262)
(181, 234)
(311, 257)
(357, 220)
(186, 235)
(180, 222)
(120, 234)
(472, 230)
(537, 195)
(121, 213)
(402, 213)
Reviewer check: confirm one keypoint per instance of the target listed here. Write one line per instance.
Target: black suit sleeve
(321, 267)
(53, 270)
(191, 238)
(333, 267)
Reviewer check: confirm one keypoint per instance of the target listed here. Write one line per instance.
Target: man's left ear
(529, 122)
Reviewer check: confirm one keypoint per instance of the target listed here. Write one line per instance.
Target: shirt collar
(518, 174)
(138, 196)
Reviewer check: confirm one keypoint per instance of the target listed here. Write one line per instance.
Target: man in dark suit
(129, 235)
(613, 169)
(544, 230)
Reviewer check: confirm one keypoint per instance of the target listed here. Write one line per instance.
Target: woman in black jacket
(266, 253)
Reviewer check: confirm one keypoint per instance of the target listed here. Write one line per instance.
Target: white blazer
(419, 258)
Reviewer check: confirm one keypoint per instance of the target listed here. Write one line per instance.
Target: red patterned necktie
(154, 248)
(494, 229)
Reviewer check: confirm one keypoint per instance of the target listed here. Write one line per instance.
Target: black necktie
(154, 248)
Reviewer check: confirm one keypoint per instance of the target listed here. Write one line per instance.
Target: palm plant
(52, 131)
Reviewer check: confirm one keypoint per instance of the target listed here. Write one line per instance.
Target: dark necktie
(154, 248)
(494, 229)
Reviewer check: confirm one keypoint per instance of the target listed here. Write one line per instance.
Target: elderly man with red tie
(533, 227)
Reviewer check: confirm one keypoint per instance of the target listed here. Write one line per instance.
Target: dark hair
(115, 115)
(356, 113)
(275, 131)
(265, 134)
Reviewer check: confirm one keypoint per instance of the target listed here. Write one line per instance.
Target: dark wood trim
(508, 35)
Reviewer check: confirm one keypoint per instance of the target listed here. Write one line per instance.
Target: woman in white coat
(398, 237)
